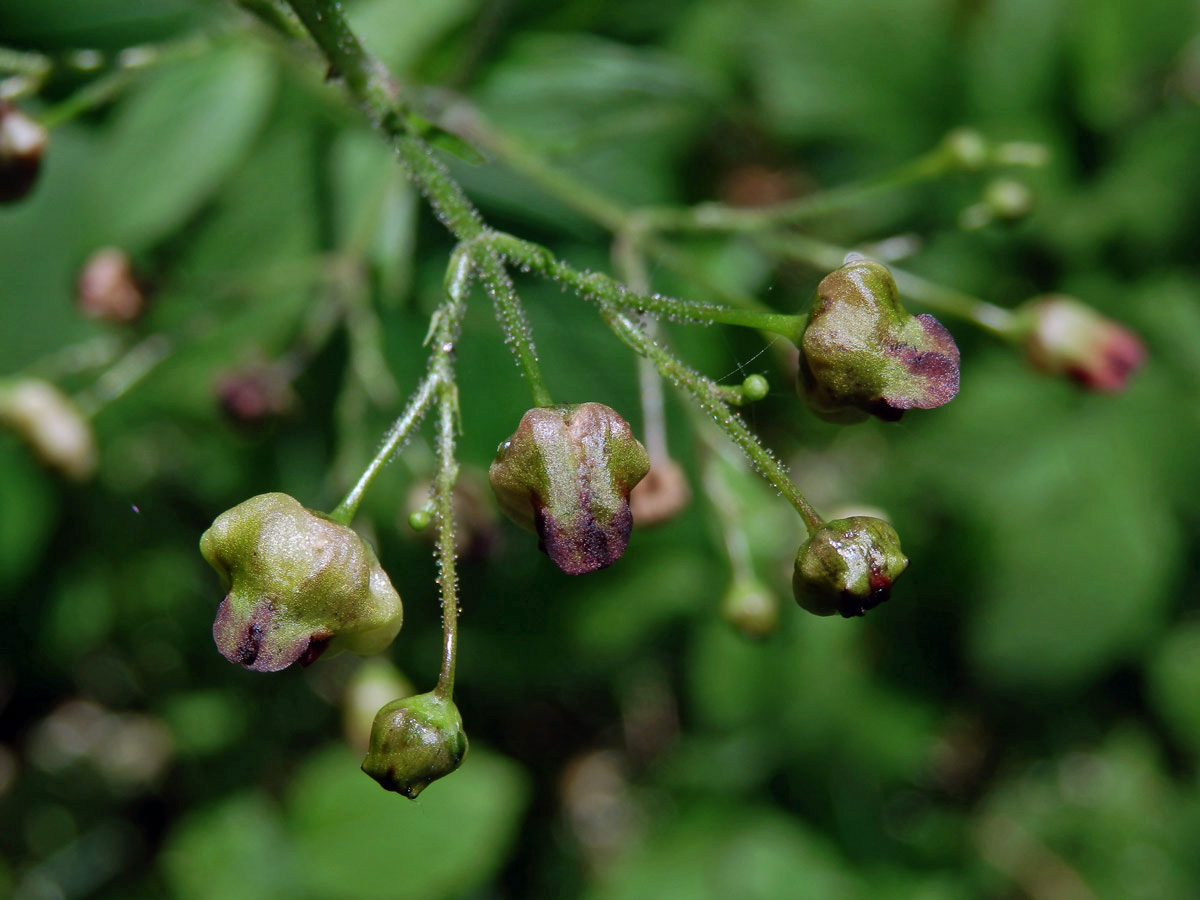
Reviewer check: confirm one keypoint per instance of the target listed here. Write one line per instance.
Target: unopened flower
(661, 495)
(863, 354)
(298, 584)
(22, 144)
(1066, 337)
(414, 742)
(106, 288)
(50, 424)
(848, 566)
(566, 474)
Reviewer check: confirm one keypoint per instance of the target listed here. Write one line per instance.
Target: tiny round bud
(474, 513)
(50, 424)
(566, 474)
(419, 519)
(863, 354)
(22, 145)
(848, 566)
(1063, 336)
(106, 288)
(751, 608)
(755, 387)
(414, 742)
(298, 584)
(1008, 198)
(967, 148)
(661, 495)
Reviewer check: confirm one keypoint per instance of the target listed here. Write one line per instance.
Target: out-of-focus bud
(414, 742)
(848, 566)
(106, 288)
(1004, 199)
(256, 393)
(49, 423)
(298, 584)
(373, 683)
(566, 474)
(751, 608)
(863, 354)
(661, 495)
(1063, 336)
(22, 144)
(967, 148)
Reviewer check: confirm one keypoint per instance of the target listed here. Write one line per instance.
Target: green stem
(708, 397)
(418, 404)
(718, 217)
(994, 319)
(126, 372)
(601, 286)
(443, 503)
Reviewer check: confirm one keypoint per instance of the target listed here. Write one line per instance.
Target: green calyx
(414, 742)
(848, 566)
(566, 474)
(298, 585)
(862, 354)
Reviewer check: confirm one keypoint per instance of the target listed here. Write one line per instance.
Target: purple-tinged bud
(298, 584)
(566, 474)
(106, 288)
(22, 144)
(848, 566)
(414, 742)
(863, 354)
(1066, 337)
(45, 418)
(255, 393)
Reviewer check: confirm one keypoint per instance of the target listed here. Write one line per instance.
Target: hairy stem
(708, 397)
(443, 504)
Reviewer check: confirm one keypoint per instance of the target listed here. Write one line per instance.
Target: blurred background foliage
(1021, 720)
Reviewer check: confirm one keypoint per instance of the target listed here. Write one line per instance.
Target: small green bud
(566, 474)
(419, 519)
(22, 144)
(967, 148)
(755, 387)
(863, 354)
(848, 566)
(751, 608)
(298, 584)
(414, 742)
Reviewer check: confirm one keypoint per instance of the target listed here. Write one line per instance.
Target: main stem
(443, 505)
(370, 85)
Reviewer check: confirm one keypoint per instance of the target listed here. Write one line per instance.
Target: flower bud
(106, 288)
(661, 495)
(848, 566)
(566, 474)
(50, 424)
(863, 354)
(1066, 337)
(298, 584)
(22, 143)
(255, 393)
(751, 608)
(414, 742)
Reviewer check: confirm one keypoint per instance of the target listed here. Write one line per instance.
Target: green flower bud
(848, 566)
(751, 608)
(863, 354)
(566, 474)
(298, 584)
(22, 144)
(414, 742)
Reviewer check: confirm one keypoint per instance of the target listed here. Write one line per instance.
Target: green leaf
(355, 840)
(174, 141)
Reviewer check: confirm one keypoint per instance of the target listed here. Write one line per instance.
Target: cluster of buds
(862, 354)
(566, 474)
(298, 583)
